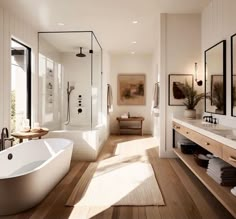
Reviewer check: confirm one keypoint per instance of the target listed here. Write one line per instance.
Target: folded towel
(219, 164)
(223, 177)
(223, 183)
(223, 173)
(218, 179)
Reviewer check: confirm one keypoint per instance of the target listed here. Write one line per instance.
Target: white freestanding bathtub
(30, 170)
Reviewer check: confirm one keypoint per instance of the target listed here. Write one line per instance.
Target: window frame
(28, 79)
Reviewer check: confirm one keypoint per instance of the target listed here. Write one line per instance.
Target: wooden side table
(130, 126)
(29, 135)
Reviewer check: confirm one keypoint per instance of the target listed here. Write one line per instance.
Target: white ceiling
(111, 20)
(70, 41)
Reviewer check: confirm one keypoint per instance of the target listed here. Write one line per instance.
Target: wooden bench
(131, 124)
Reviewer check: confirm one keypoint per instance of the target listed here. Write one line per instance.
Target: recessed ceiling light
(134, 42)
(60, 24)
(133, 53)
(135, 22)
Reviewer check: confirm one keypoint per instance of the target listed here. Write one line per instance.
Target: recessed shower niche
(70, 80)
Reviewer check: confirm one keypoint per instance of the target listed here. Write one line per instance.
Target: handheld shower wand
(69, 90)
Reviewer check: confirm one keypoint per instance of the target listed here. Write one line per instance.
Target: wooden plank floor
(185, 196)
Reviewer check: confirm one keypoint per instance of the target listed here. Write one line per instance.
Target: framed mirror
(215, 79)
(233, 75)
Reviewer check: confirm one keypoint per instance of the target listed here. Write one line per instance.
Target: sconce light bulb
(199, 83)
(196, 71)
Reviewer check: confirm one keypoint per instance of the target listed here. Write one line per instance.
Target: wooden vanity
(219, 146)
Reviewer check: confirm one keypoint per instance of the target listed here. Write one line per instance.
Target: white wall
(156, 78)
(180, 48)
(78, 72)
(132, 64)
(11, 26)
(218, 23)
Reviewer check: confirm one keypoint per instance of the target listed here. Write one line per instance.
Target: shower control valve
(80, 110)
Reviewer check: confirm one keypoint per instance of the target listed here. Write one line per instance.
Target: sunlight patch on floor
(138, 146)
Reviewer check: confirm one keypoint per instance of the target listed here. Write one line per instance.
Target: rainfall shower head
(80, 54)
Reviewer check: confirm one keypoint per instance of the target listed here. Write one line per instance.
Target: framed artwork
(176, 82)
(131, 89)
(216, 80)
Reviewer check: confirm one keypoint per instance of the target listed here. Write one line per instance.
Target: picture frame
(175, 81)
(131, 89)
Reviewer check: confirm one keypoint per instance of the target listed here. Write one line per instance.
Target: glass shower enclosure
(70, 80)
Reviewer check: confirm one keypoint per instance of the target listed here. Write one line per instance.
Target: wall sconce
(199, 83)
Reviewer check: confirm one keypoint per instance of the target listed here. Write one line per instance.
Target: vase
(190, 113)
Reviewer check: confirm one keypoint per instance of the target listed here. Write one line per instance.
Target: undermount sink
(219, 129)
(222, 131)
(228, 133)
(205, 123)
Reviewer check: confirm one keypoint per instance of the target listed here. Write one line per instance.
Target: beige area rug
(114, 182)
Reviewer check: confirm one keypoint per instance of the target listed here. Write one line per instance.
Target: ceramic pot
(190, 113)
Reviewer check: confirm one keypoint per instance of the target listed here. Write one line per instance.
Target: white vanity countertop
(223, 134)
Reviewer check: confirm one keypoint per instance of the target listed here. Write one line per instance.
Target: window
(20, 86)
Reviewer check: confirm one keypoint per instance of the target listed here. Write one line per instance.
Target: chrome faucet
(5, 137)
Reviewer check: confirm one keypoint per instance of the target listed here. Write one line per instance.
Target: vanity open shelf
(215, 146)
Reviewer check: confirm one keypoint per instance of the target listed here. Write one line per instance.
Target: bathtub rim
(70, 144)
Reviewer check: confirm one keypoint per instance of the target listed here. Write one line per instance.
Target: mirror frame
(224, 75)
(232, 74)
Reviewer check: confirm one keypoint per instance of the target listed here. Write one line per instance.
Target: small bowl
(201, 160)
(188, 149)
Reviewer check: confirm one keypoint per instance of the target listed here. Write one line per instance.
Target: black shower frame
(90, 51)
